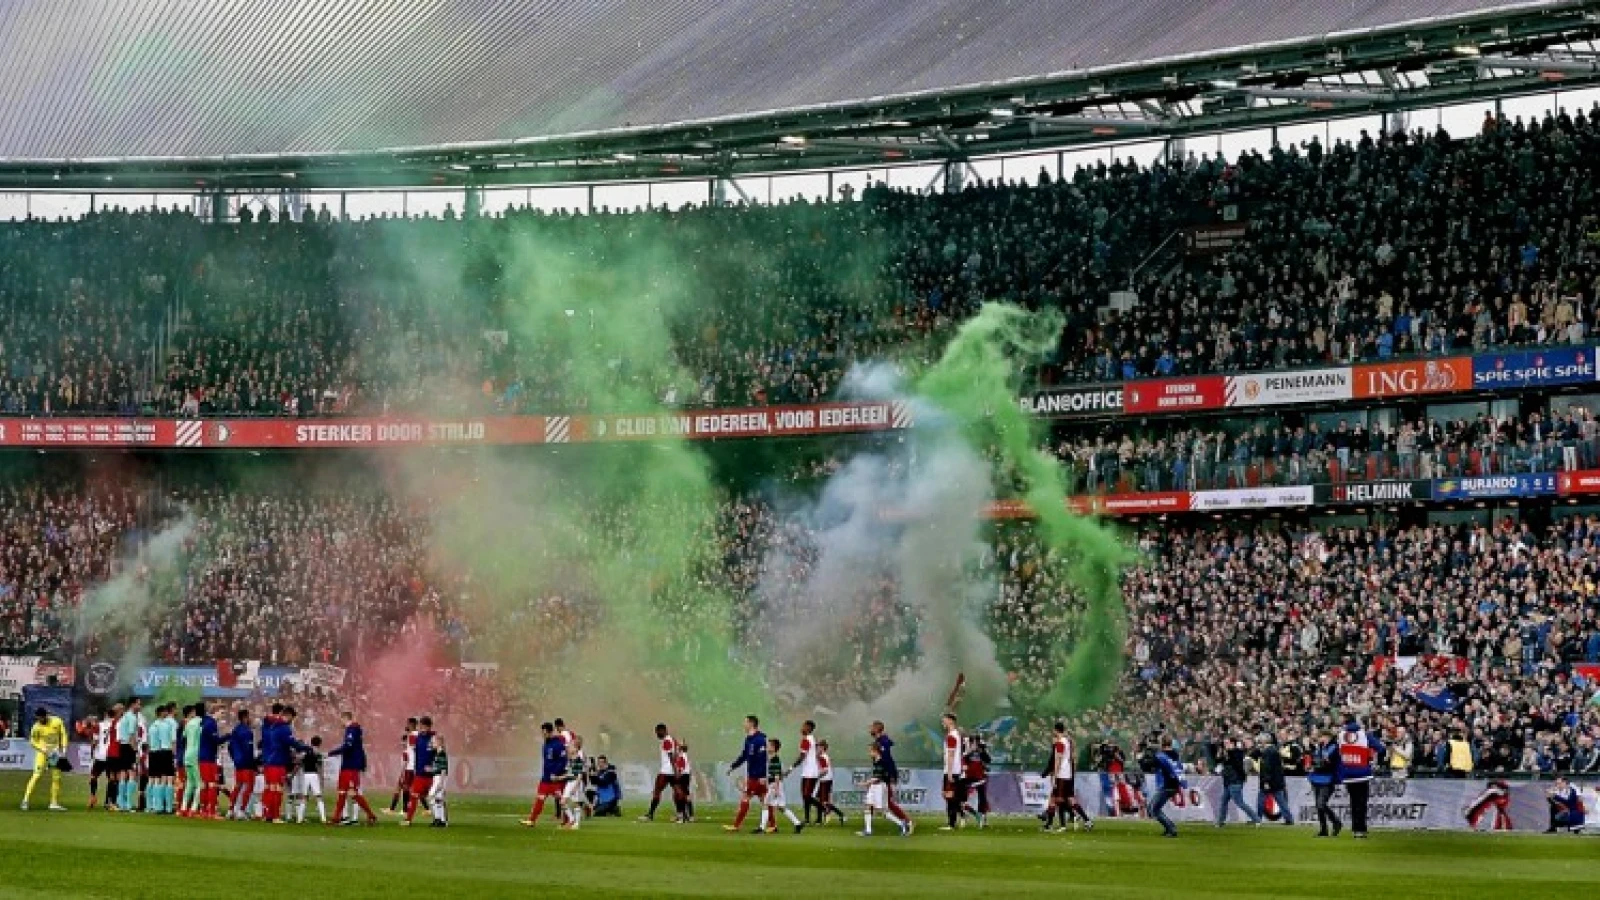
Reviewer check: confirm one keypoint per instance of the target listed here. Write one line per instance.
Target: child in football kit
(775, 802)
(877, 799)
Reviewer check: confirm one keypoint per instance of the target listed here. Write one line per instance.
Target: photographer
(1566, 807)
(607, 788)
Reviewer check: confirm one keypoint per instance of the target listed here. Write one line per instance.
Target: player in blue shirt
(754, 758)
(881, 740)
(422, 770)
(552, 772)
(242, 750)
(210, 772)
(352, 755)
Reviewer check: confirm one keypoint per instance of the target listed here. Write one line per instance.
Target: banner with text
(1375, 492)
(1251, 498)
(1586, 481)
(1533, 368)
(149, 681)
(258, 434)
(1173, 395)
(1413, 377)
(1277, 388)
(17, 672)
(1536, 484)
(1064, 402)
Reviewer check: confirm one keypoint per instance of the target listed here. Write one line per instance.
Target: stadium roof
(164, 91)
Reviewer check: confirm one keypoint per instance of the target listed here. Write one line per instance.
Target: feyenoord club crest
(101, 678)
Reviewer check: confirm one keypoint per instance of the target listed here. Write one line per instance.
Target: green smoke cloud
(975, 381)
(626, 533)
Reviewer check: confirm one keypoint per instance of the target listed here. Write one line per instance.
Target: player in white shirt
(99, 733)
(1063, 796)
(954, 790)
(825, 784)
(683, 787)
(575, 786)
(666, 773)
(408, 765)
(806, 762)
(774, 801)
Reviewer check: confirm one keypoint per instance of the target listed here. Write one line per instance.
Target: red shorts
(244, 776)
(405, 778)
(210, 773)
(755, 787)
(420, 784)
(274, 775)
(550, 788)
(349, 780)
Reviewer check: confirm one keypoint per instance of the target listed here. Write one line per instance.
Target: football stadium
(692, 449)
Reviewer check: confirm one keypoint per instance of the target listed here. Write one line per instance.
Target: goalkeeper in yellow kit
(49, 740)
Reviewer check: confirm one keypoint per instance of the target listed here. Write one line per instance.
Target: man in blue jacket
(754, 758)
(242, 750)
(352, 753)
(1324, 778)
(552, 772)
(1169, 781)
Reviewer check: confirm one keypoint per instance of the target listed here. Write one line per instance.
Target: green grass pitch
(485, 853)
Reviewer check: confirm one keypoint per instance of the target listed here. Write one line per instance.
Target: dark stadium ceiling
(300, 94)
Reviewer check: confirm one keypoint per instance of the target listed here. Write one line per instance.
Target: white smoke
(901, 526)
(147, 585)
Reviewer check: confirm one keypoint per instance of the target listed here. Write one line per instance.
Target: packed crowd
(1429, 633)
(1420, 243)
(1122, 458)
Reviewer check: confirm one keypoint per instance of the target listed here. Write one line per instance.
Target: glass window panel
(52, 206)
(1580, 101)
(1027, 166)
(1295, 135)
(677, 194)
(913, 178)
(1234, 143)
(420, 204)
(622, 197)
(1464, 119)
(755, 189)
(497, 200)
(13, 207)
(187, 202)
(374, 204)
(1532, 108)
(1350, 129)
(857, 179)
(1143, 153)
(1073, 160)
(572, 198)
(811, 186)
(987, 169)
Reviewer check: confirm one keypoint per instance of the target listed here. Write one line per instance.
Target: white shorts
(573, 792)
(437, 791)
(877, 796)
(306, 785)
(775, 794)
